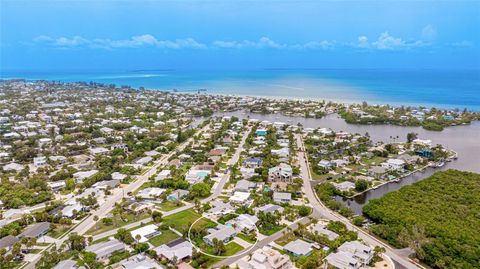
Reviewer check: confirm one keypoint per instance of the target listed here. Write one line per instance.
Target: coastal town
(102, 176)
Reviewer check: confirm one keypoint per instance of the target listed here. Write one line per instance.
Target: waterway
(465, 140)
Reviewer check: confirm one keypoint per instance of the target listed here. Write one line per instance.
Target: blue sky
(222, 34)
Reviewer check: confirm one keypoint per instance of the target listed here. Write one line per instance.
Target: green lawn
(249, 239)
(375, 159)
(118, 222)
(230, 249)
(282, 241)
(181, 221)
(169, 205)
(59, 230)
(163, 238)
(271, 230)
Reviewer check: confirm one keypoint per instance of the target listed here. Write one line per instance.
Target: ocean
(437, 88)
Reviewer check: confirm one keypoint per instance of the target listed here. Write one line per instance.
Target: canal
(465, 140)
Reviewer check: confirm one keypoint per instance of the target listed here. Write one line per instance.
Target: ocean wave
(131, 76)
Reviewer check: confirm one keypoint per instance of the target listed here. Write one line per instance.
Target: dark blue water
(440, 88)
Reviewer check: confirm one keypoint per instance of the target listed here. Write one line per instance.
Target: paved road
(325, 212)
(218, 190)
(117, 196)
(261, 243)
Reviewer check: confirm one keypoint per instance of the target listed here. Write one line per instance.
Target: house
(98, 151)
(175, 251)
(13, 167)
(282, 153)
(82, 175)
(247, 172)
(344, 186)
(163, 175)
(39, 161)
(221, 233)
(269, 208)
(121, 146)
(298, 248)
(7, 242)
(177, 195)
(140, 261)
(326, 164)
(216, 152)
(150, 193)
(252, 162)
(377, 171)
(71, 210)
(103, 185)
(118, 176)
(143, 161)
(341, 260)
(36, 230)
(394, 164)
(360, 252)
(243, 223)
(245, 185)
(282, 197)
(67, 264)
(281, 173)
(57, 185)
(239, 197)
(266, 258)
(220, 208)
(104, 250)
(144, 233)
(195, 176)
(320, 229)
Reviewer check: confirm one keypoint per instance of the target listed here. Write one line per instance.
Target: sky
(226, 34)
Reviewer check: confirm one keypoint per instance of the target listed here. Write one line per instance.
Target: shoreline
(348, 101)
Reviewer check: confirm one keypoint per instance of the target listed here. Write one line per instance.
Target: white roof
(298, 247)
(144, 232)
(239, 196)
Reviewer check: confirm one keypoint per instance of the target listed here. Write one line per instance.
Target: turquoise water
(440, 88)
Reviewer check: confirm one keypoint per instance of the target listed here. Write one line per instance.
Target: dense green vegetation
(438, 217)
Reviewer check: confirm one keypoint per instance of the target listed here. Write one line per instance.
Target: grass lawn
(163, 238)
(117, 223)
(230, 249)
(249, 239)
(375, 159)
(169, 205)
(181, 221)
(271, 230)
(58, 231)
(316, 176)
(282, 241)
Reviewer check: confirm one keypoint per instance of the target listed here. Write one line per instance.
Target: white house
(145, 233)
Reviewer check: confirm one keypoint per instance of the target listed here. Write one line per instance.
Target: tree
(361, 185)
(124, 236)
(218, 246)
(89, 259)
(76, 242)
(200, 190)
(157, 216)
(304, 211)
(411, 137)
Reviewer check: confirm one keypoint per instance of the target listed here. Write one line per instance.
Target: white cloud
(322, 45)
(363, 42)
(134, 42)
(462, 44)
(263, 42)
(387, 42)
(429, 33)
